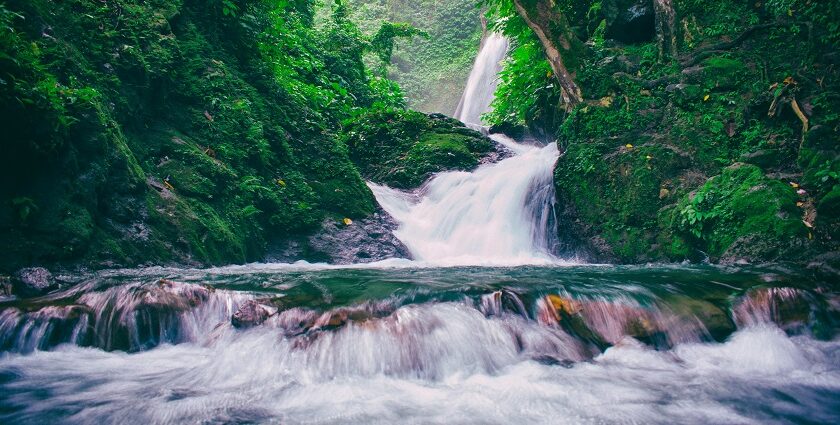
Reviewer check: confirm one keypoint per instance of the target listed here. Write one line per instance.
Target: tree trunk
(666, 37)
(562, 48)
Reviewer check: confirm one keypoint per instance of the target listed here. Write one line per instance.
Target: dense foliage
(187, 130)
(752, 82)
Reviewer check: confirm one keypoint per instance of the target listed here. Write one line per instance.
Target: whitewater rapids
(499, 214)
(256, 377)
(424, 345)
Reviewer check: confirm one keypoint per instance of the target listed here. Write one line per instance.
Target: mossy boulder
(830, 204)
(402, 149)
(742, 215)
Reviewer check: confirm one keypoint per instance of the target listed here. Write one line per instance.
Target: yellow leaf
(281, 182)
(606, 101)
(347, 221)
(628, 146)
(794, 185)
(706, 98)
(800, 204)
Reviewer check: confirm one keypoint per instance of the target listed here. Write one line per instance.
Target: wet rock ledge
(344, 241)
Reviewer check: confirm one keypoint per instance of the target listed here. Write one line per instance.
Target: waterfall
(481, 84)
(499, 214)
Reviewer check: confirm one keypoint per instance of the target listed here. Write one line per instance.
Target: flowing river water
(486, 325)
(396, 343)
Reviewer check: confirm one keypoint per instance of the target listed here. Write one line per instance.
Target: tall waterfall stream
(486, 325)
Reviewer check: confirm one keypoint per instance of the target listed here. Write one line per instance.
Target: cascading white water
(498, 214)
(481, 84)
(587, 350)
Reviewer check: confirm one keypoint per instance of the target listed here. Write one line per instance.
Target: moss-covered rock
(741, 214)
(403, 149)
(729, 96)
(162, 131)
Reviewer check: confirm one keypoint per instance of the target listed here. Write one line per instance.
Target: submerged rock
(789, 308)
(168, 294)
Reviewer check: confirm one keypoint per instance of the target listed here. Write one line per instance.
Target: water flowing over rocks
(143, 315)
(481, 85)
(324, 330)
(130, 317)
(501, 213)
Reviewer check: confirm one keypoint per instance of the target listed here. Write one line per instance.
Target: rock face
(32, 282)
(339, 242)
(363, 241)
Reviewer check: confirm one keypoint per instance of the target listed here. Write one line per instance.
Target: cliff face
(168, 131)
(707, 132)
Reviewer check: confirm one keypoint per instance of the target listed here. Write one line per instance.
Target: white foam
(435, 363)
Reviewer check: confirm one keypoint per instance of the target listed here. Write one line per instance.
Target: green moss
(619, 191)
(403, 148)
(741, 205)
(75, 228)
(174, 132)
(723, 73)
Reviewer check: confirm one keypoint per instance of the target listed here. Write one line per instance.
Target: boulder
(252, 313)
(362, 241)
(685, 94)
(32, 282)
